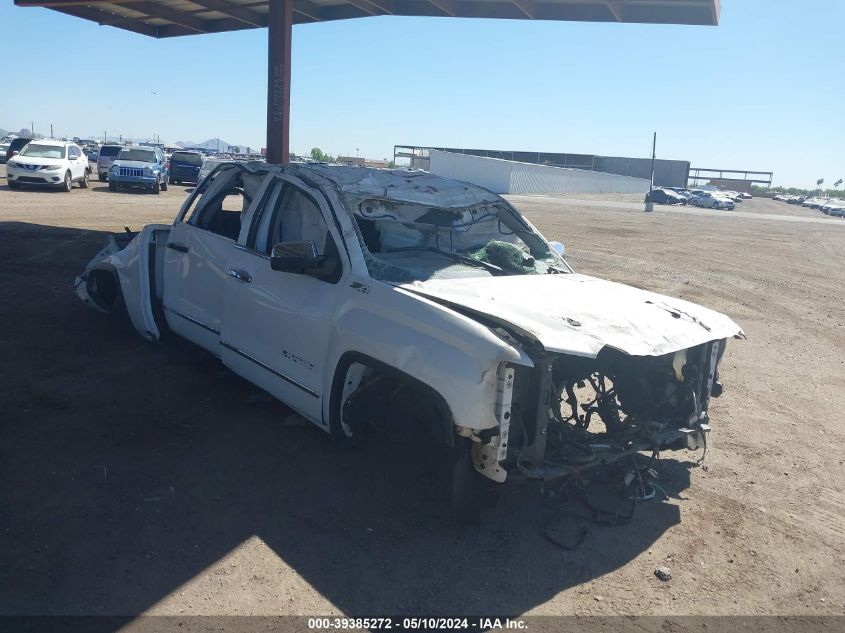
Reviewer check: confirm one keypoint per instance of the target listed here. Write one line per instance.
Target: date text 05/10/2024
(416, 624)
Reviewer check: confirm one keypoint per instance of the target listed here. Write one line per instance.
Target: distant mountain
(212, 143)
(23, 132)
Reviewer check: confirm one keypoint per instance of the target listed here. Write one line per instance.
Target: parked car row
(791, 199)
(828, 206)
(697, 197)
(122, 166)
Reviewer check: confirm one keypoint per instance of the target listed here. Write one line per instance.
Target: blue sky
(764, 90)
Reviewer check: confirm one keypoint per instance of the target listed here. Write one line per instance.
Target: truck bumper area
(569, 414)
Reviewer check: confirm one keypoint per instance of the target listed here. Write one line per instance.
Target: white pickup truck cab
(422, 307)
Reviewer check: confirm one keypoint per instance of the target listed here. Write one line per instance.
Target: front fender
(452, 354)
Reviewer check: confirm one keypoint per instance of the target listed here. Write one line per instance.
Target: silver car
(713, 200)
(105, 159)
(834, 207)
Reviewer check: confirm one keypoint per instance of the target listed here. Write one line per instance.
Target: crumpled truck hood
(579, 315)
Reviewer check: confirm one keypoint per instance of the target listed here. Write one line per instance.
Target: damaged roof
(417, 187)
(173, 18)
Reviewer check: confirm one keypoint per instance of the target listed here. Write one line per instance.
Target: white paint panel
(505, 176)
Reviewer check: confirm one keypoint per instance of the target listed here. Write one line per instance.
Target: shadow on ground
(128, 468)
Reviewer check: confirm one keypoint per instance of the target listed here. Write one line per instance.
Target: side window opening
(220, 207)
(291, 215)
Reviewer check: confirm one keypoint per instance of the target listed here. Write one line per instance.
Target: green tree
(320, 156)
(837, 184)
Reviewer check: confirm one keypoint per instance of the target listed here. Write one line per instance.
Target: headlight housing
(115, 168)
(11, 163)
(50, 167)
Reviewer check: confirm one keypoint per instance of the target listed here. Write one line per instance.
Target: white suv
(48, 162)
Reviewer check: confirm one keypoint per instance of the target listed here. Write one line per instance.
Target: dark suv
(665, 196)
(185, 166)
(16, 146)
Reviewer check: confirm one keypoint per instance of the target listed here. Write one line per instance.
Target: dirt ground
(137, 478)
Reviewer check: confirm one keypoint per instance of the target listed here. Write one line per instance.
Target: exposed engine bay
(568, 414)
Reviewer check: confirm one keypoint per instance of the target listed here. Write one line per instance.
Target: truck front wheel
(470, 492)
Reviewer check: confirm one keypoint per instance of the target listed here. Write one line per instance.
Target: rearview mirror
(559, 247)
(294, 257)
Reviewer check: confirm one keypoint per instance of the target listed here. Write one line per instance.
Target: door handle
(181, 248)
(240, 275)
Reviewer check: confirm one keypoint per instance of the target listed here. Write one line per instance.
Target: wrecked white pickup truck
(421, 307)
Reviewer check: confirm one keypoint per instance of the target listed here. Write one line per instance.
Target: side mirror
(294, 257)
(559, 247)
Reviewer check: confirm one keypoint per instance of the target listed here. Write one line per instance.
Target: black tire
(165, 183)
(102, 177)
(85, 180)
(112, 186)
(13, 185)
(67, 186)
(177, 181)
(157, 187)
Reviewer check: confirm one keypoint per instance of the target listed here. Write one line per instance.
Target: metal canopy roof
(171, 18)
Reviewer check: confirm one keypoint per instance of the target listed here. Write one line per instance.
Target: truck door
(199, 246)
(277, 326)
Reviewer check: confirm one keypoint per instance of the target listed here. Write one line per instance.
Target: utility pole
(51, 130)
(649, 205)
(105, 137)
(32, 128)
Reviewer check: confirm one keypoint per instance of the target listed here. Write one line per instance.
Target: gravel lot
(138, 478)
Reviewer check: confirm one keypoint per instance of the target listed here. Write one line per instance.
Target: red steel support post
(278, 81)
